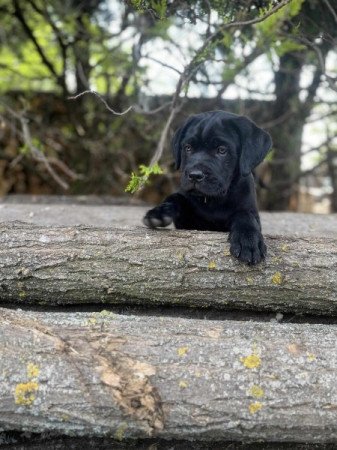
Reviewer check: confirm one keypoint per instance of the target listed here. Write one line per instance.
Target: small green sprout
(138, 181)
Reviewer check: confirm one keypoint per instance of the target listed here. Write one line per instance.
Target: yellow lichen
(180, 256)
(251, 361)
(276, 259)
(311, 357)
(227, 252)
(120, 432)
(249, 280)
(255, 407)
(211, 265)
(22, 294)
(182, 351)
(256, 391)
(277, 278)
(25, 393)
(183, 384)
(33, 370)
(91, 321)
(284, 247)
(106, 313)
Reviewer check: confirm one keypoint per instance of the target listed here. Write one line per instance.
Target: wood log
(45, 212)
(72, 265)
(103, 374)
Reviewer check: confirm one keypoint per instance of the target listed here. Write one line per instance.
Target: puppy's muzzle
(196, 176)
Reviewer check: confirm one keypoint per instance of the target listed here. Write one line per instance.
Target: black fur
(216, 152)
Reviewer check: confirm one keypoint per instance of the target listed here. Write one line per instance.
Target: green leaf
(138, 181)
(160, 7)
(287, 46)
(134, 183)
(270, 26)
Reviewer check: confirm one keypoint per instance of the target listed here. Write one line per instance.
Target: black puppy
(216, 152)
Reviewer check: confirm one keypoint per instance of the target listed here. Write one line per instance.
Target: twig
(333, 12)
(209, 12)
(18, 13)
(57, 32)
(326, 143)
(321, 59)
(193, 65)
(161, 144)
(65, 169)
(139, 110)
(38, 155)
(278, 120)
(185, 77)
(162, 63)
(234, 24)
(15, 161)
(89, 91)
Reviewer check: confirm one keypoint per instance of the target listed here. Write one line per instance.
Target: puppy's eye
(222, 150)
(188, 148)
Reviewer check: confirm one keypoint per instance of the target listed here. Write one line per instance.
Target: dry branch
(79, 264)
(37, 154)
(133, 377)
(199, 57)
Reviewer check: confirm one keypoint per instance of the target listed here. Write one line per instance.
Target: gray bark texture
(103, 374)
(50, 265)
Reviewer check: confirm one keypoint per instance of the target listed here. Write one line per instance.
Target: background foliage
(166, 59)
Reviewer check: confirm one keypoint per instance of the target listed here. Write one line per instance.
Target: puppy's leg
(165, 213)
(246, 240)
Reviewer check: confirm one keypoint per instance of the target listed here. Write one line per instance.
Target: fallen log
(102, 374)
(45, 212)
(73, 265)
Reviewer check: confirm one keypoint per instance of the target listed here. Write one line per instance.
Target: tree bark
(332, 171)
(73, 265)
(287, 136)
(134, 377)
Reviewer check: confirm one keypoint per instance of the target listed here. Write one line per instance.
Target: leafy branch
(138, 181)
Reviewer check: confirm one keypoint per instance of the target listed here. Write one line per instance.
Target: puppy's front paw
(160, 216)
(249, 247)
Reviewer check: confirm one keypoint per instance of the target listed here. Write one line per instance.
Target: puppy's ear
(177, 140)
(255, 144)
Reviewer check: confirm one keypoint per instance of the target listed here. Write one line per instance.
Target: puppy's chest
(210, 217)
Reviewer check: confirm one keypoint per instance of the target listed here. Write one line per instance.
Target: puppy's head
(214, 147)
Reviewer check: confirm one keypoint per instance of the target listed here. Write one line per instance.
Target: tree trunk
(332, 171)
(133, 377)
(78, 264)
(287, 135)
(290, 113)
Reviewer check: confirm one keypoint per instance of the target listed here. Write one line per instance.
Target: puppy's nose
(196, 176)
